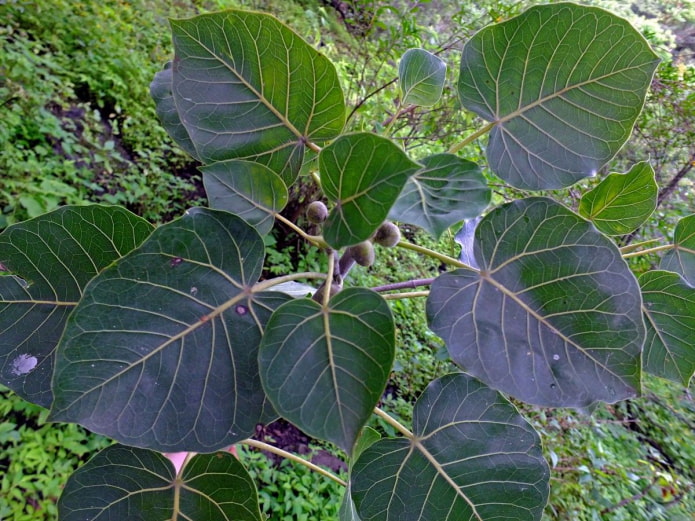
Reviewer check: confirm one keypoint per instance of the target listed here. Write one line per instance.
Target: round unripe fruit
(363, 253)
(387, 235)
(317, 212)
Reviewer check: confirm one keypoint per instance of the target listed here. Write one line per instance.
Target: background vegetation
(77, 124)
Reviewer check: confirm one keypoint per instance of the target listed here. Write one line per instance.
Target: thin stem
(288, 455)
(313, 146)
(408, 284)
(262, 286)
(472, 137)
(329, 280)
(632, 247)
(436, 255)
(313, 239)
(407, 294)
(656, 249)
(394, 423)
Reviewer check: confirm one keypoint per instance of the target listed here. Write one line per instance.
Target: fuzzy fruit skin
(388, 235)
(363, 253)
(317, 212)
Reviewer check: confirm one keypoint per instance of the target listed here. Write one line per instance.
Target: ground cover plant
(165, 339)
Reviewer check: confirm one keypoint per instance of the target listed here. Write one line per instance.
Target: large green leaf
(348, 510)
(446, 190)
(621, 203)
(250, 190)
(248, 87)
(472, 457)
(681, 258)
(421, 75)
(133, 484)
(363, 174)
(669, 311)
(554, 315)
(324, 368)
(51, 259)
(562, 84)
(162, 350)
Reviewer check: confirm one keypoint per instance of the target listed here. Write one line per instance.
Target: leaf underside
(681, 259)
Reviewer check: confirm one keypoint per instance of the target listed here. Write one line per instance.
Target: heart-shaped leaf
(681, 258)
(161, 352)
(562, 85)
(141, 485)
(248, 87)
(250, 190)
(363, 174)
(553, 317)
(446, 190)
(472, 457)
(621, 203)
(324, 368)
(669, 312)
(421, 75)
(51, 259)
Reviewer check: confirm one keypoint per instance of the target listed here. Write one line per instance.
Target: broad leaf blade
(138, 484)
(363, 174)
(669, 311)
(681, 258)
(324, 369)
(473, 457)
(162, 350)
(421, 75)
(52, 258)
(446, 190)
(621, 203)
(240, 87)
(553, 317)
(250, 190)
(562, 84)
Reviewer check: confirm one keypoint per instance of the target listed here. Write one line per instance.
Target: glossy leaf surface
(473, 457)
(669, 312)
(162, 350)
(681, 258)
(562, 84)
(363, 174)
(139, 484)
(324, 369)
(51, 259)
(553, 317)
(422, 76)
(621, 203)
(247, 87)
(446, 190)
(250, 190)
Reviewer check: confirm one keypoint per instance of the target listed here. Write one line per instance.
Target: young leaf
(554, 315)
(562, 84)
(446, 190)
(161, 352)
(363, 174)
(51, 259)
(248, 87)
(669, 312)
(324, 369)
(472, 457)
(421, 75)
(138, 484)
(681, 258)
(250, 190)
(621, 203)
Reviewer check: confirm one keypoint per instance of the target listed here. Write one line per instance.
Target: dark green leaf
(681, 258)
(363, 174)
(124, 483)
(444, 191)
(562, 84)
(250, 190)
(473, 457)
(324, 369)
(247, 87)
(621, 203)
(669, 311)
(162, 350)
(51, 259)
(554, 315)
(421, 75)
